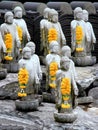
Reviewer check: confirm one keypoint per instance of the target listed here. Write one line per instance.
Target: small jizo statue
(44, 23)
(66, 51)
(55, 31)
(52, 63)
(82, 39)
(91, 39)
(67, 90)
(35, 61)
(23, 32)
(10, 37)
(26, 63)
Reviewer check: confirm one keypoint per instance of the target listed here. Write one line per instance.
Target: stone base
(11, 67)
(65, 117)
(48, 97)
(84, 61)
(27, 105)
(3, 73)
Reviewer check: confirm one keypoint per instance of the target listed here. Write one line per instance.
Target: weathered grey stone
(85, 100)
(48, 97)
(94, 93)
(3, 73)
(65, 117)
(27, 105)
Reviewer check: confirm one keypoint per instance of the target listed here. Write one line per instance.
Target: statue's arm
(74, 85)
(63, 38)
(93, 35)
(27, 32)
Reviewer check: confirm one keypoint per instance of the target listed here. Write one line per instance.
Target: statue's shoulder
(21, 61)
(3, 25)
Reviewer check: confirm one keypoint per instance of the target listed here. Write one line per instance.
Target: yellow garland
(65, 106)
(79, 49)
(23, 77)
(52, 35)
(79, 34)
(20, 32)
(65, 88)
(22, 94)
(8, 58)
(8, 42)
(52, 72)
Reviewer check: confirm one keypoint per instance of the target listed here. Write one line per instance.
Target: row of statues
(14, 34)
(60, 66)
(51, 29)
(82, 35)
(82, 38)
(61, 76)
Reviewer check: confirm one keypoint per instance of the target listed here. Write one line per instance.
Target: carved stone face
(46, 13)
(26, 53)
(18, 14)
(55, 18)
(9, 19)
(78, 13)
(85, 15)
(65, 63)
(66, 51)
(31, 45)
(54, 47)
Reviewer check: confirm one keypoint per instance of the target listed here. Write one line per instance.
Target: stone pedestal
(27, 105)
(48, 97)
(11, 67)
(84, 60)
(65, 117)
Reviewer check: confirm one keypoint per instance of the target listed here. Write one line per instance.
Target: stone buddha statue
(35, 60)
(52, 65)
(66, 52)
(55, 31)
(67, 92)
(23, 32)
(64, 93)
(10, 36)
(54, 54)
(26, 62)
(79, 35)
(44, 31)
(90, 36)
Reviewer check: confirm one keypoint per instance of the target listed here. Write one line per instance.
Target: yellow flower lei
(65, 91)
(79, 34)
(78, 49)
(52, 35)
(8, 43)
(79, 38)
(20, 32)
(23, 77)
(65, 88)
(52, 72)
